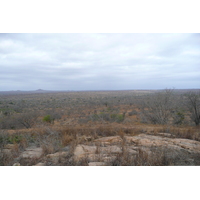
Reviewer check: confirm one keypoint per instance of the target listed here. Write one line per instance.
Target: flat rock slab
(109, 140)
(32, 152)
(187, 144)
(97, 164)
(81, 150)
(101, 158)
(99, 153)
(146, 140)
(84, 150)
(110, 149)
(57, 156)
(107, 149)
(158, 141)
(40, 164)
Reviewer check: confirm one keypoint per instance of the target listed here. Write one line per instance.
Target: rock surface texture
(142, 149)
(108, 150)
(32, 152)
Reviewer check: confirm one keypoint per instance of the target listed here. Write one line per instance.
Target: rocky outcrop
(94, 153)
(32, 153)
(107, 150)
(144, 140)
(142, 149)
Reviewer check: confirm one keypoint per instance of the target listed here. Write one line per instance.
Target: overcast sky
(99, 61)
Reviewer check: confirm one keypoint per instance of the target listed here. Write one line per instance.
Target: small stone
(16, 164)
(40, 164)
(67, 148)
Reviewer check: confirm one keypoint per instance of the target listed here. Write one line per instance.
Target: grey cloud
(99, 61)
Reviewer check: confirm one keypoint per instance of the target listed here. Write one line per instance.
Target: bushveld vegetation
(53, 121)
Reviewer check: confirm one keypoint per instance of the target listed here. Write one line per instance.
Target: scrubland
(100, 128)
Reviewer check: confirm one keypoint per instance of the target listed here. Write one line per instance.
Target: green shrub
(120, 118)
(117, 117)
(15, 139)
(48, 119)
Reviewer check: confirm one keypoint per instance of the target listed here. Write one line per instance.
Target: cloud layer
(99, 61)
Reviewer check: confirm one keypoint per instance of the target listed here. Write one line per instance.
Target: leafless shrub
(28, 120)
(9, 122)
(50, 141)
(66, 139)
(19, 120)
(158, 108)
(193, 104)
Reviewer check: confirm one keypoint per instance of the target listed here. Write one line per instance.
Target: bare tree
(27, 119)
(158, 107)
(193, 104)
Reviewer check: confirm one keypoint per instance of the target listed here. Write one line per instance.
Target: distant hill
(25, 92)
(41, 91)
